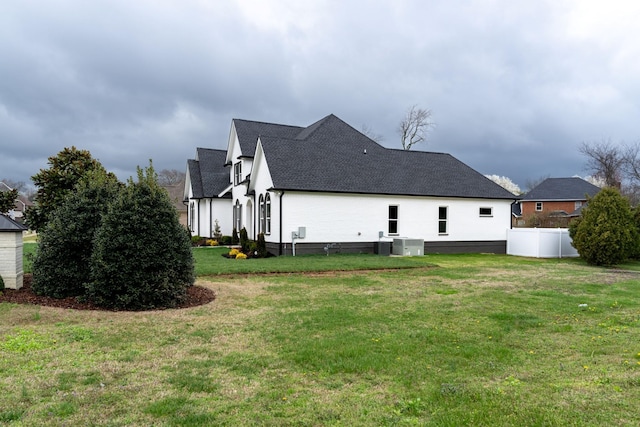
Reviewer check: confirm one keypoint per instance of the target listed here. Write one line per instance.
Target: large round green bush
(62, 262)
(606, 233)
(142, 254)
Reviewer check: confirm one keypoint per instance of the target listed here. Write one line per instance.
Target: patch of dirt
(196, 295)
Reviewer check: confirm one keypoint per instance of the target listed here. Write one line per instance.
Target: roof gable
(562, 189)
(207, 173)
(248, 132)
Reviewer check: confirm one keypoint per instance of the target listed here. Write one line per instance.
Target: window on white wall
(393, 219)
(192, 216)
(443, 220)
(261, 223)
(237, 216)
(486, 211)
(237, 173)
(267, 214)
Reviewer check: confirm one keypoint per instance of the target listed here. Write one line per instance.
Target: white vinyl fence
(540, 243)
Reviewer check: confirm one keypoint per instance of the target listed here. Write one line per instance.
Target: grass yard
(479, 340)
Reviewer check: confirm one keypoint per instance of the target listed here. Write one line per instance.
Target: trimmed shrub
(606, 234)
(244, 240)
(234, 237)
(233, 253)
(142, 254)
(261, 246)
(226, 240)
(240, 255)
(61, 266)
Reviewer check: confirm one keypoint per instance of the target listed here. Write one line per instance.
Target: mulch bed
(196, 295)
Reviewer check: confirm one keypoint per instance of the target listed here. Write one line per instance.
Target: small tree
(142, 254)
(217, 233)
(234, 237)
(606, 234)
(66, 169)
(62, 264)
(7, 200)
(414, 127)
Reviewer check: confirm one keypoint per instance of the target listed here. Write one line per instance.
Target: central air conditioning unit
(408, 247)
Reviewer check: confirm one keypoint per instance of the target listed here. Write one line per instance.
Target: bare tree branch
(415, 126)
(170, 177)
(605, 160)
(371, 134)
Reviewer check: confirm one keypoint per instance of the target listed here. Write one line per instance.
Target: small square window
(486, 211)
(538, 206)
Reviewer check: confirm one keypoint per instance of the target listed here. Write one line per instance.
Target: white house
(328, 184)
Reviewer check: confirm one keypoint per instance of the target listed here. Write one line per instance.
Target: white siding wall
(354, 218)
(11, 269)
(207, 213)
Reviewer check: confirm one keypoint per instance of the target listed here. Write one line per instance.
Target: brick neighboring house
(555, 201)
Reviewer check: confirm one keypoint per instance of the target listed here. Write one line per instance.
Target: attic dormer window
(237, 173)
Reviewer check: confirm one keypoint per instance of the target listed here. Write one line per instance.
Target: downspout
(198, 233)
(280, 214)
(211, 217)
(253, 226)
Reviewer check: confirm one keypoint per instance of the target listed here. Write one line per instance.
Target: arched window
(267, 214)
(261, 215)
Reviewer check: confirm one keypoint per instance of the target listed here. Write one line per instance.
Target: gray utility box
(408, 247)
(382, 248)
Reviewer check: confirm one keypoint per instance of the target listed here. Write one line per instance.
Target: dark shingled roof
(7, 224)
(207, 172)
(248, 132)
(332, 156)
(561, 189)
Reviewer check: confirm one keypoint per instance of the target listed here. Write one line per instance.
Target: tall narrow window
(237, 173)
(192, 216)
(393, 219)
(443, 217)
(237, 216)
(538, 206)
(267, 214)
(261, 223)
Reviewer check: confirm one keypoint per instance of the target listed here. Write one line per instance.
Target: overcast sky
(514, 86)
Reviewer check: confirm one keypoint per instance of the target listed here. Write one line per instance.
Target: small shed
(11, 246)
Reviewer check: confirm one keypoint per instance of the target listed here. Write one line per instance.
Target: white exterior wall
(358, 218)
(206, 213)
(11, 268)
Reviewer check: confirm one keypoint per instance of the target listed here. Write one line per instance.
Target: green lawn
(479, 340)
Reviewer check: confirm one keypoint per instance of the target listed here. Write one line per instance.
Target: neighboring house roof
(332, 156)
(248, 132)
(7, 224)
(176, 195)
(561, 189)
(207, 173)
